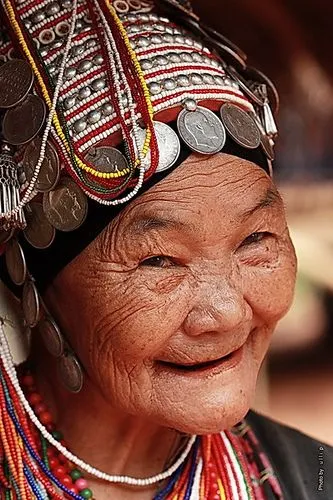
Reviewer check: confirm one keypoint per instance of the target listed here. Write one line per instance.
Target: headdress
(102, 99)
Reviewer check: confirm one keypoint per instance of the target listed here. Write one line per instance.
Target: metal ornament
(65, 207)
(16, 79)
(240, 126)
(201, 130)
(30, 303)
(15, 262)
(50, 170)
(23, 122)
(105, 159)
(39, 232)
(70, 372)
(51, 336)
(168, 146)
(9, 192)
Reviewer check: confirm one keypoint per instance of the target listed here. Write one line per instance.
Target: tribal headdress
(99, 100)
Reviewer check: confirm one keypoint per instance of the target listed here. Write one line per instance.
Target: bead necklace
(228, 466)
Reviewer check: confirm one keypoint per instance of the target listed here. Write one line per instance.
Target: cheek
(270, 290)
(134, 316)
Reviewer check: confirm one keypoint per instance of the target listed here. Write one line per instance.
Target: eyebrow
(270, 199)
(151, 223)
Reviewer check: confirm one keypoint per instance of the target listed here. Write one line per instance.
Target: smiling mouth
(225, 362)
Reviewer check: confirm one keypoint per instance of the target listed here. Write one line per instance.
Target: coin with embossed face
(66, 206)
(70, 372)
(23, 122)
(49, 171)
(16, 79)
(168, 146)
(201, 130)
(105, 159)
(15, 262)
(30, 303)
(240, 126)
(39, 232)
(51, 336)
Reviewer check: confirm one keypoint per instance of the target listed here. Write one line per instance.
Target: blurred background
(292, 41)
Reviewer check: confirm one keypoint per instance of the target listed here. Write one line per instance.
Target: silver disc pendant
(201, 130)
(105, 159)
(39, 232)
(240, 126)
(50, 169)
(15, 262)
(168, 146)
(30, 303)
(51, 335)
(70, 372)
(65, 207)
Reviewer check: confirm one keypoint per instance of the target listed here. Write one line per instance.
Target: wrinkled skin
(187, 290)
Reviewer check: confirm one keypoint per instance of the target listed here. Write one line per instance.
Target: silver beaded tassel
(10, 218)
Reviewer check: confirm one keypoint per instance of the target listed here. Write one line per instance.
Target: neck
(102, 436)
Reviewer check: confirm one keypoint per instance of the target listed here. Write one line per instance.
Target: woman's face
(196, 268)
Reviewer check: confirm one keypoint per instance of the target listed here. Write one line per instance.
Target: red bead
(216, 497)
(213, 475)
(50, 427)
(50, 452)
(214, 487)
(40, 408)
(53, 462)
(27, 381)
(73, 489)
(67, 481)
(45, 417)
(34, 398)
(60, 472)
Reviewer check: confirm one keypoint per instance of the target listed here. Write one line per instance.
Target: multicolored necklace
(227, 466)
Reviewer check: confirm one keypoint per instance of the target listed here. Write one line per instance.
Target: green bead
(57, 435)
(75, 474)
(86, 493)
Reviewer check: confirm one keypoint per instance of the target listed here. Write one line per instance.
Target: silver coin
(30, 303)
(50, 170)
(105, 159)
(39, 232)
(51, 336)
(16, 79)
(66, 206)
(22, 123)
(70, 372)
(168, 146)
(201, 130)
(240, 126)
(15, 262)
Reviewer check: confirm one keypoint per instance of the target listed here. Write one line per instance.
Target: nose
(219, 307)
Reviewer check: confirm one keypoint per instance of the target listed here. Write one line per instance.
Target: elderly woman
(148, 245)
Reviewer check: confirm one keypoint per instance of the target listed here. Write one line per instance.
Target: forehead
(222, 186)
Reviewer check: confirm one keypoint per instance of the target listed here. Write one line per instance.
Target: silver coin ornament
(105, 159)
(240, 126)
(65, 207)
(201, 130)
(70, 372)
(15, 262)
(50, 169)
(30, 303)
(39, 232)
(23, 122)
(168, 146)
(51, 336)
(16, 79)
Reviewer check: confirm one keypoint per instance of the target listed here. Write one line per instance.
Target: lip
(219, 365)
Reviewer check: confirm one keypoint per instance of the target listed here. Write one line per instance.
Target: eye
(158, 261)
(255, 238)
